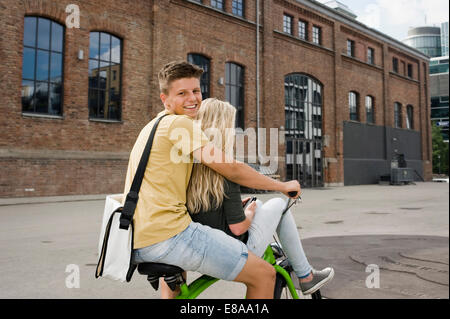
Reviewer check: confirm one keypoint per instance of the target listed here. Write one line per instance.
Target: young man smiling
(164, 231)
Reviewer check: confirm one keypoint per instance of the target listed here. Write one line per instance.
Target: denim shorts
(199, 248)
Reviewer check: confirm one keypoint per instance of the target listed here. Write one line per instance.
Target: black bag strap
(132, 197)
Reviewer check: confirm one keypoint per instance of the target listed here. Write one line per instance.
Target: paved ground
(398, 232)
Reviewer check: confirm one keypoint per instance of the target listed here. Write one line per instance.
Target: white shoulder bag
(116, 236)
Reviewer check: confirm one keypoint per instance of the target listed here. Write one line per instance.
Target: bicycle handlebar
(292, 194)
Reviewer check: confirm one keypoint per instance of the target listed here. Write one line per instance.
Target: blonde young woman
(215, 201)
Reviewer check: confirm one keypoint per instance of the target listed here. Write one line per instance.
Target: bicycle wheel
(281, 291)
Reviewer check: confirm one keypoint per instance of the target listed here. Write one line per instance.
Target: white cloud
(371, 16)
(405, 12)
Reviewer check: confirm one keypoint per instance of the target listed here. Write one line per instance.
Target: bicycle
(274, 255)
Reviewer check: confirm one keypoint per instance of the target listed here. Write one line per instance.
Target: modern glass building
(433, 41)
(426, 40)
(444, 38)
(439, 93)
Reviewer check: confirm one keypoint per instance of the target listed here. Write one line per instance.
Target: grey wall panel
(358, 172)
(369, 149)
(363, 141)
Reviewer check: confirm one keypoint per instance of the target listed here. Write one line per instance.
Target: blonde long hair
(206, 187)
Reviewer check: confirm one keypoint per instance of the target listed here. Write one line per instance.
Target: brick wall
(74, 131)
(92, 155)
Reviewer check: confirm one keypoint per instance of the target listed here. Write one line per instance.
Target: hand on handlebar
(292, 189)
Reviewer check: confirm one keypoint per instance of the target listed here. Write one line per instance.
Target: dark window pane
(93, 45)
(42, 65)
(217, 4)
(241, 97)
(57, 37)
(316, 34)
(56, 68)
(240, 75)
(43, 34)
(395, 65)
(235, 90)
(440, 112)
(233, 75)
(410, 71)
(42, 97)
(104, 75)
(93, 102)
(228, 93)
(287, 24)
(93, 73)
(101, 104)
(105, 46)
(28, 63)
(370, 56)
(114, 93)
(115, 77)
(232, 95)
(27, 96)
(55, 99)
(113, 105)
(204, 63)
(397, 115)
(353, 106)
(238, 7)
(115, 50)
(369, 109)
(410, 117)
(29, 35)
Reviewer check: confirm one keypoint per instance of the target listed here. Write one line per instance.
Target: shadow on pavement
(400, 267)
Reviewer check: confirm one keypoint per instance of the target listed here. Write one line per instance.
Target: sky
(395, 17)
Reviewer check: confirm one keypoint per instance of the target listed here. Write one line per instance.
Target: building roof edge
(324, 9)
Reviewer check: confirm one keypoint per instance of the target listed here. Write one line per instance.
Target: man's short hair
(176, 70)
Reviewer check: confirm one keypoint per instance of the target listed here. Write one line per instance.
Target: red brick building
(345, 98)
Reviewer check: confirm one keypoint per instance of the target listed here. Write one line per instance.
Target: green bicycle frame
(199, 285)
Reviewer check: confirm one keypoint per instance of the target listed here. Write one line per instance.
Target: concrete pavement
(391, 238)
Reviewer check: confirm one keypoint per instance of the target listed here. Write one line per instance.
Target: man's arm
(241, 173)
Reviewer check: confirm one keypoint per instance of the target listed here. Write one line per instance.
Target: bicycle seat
(158, 269)
(172, 274)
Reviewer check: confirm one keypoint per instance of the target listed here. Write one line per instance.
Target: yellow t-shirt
(161, 211)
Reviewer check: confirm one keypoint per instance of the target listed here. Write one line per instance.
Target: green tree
(440, 151)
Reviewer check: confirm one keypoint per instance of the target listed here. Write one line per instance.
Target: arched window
(42, 68)
(410, 117)
(234, 90)
(397, 115)
(353, 105)
(303, 114)
(105, 76)
(369, 110)
(303, 106)
(204, 63)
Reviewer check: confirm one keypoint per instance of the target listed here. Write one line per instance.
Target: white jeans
(267, 220)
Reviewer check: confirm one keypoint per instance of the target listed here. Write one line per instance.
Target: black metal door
(304, 161)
